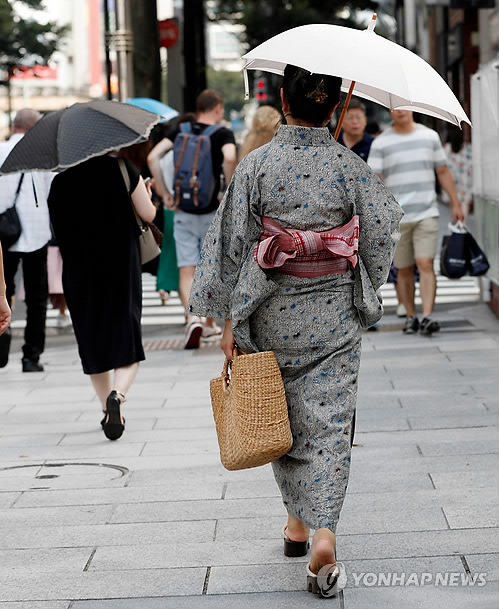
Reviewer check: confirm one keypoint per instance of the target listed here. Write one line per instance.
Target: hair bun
(319, 94)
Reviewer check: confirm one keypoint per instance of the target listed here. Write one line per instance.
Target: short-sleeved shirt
(32, 211)
(360, 148)
(407, 162)
(218, 140)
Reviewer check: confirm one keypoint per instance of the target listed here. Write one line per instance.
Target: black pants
(36, 289)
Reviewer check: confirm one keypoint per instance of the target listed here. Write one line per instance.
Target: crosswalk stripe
(449, 291)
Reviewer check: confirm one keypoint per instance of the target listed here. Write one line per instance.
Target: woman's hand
(227, 343)
(4, 314)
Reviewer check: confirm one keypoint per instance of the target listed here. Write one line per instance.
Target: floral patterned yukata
(304, 180)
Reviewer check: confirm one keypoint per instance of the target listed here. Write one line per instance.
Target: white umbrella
(379, 70)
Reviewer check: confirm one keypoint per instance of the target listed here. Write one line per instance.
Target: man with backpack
(204, 155)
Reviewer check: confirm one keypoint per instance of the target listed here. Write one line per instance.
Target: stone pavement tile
(36, 605)
(181, 447)
(418, 543)
(391, 521)
(210, 473)
(176, 463)
(72, 481)
(198, 510)
(484, 419)
(412, 501)
(449, 384)
(365, 449)
(41, 396)
(375, 384)
(437, 375)
(175, 491)
(52, 439)
(466, 479)
(262, 600)
(396, 438)
(42, 560)
(105, 450)
(381, 420)
(190, 554)
(479, 516)
(425, 597)
(251, 488)
(478, 344)
(258, 578)
(447, 463)
(357, 484)
(480, 375)
(26, 420)
(377, 399)
(186, 423)
(7, 499)
(105, 534)
(111, 584)
(462, 447)
(136, 435)
(150, 412)
(233, 529)
(56, 516)
(484, 563)
(369, 573)
(442, 403)
(41, 426)
(149, 390)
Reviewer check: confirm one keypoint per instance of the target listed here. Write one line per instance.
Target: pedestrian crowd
(270, 243)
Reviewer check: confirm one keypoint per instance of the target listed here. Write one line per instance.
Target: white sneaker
(401, 311)
(63, 321)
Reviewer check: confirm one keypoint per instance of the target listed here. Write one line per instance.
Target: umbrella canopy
(67, 137)
(153, 105)
(383, 71)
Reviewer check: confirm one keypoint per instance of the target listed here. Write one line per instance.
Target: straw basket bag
(250, 411)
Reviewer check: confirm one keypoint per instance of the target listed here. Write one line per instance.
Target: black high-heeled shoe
(111, 424)
(294, 548)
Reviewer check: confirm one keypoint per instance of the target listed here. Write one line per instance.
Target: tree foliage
(263, 19)
(25, 41)
(230, 86)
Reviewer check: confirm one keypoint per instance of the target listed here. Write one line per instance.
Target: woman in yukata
(302, 241)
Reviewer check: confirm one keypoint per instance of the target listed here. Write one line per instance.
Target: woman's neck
(298, 122)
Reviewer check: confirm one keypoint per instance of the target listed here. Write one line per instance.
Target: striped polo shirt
(407, 162)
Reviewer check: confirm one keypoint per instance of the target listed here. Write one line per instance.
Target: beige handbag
(250, 411)
(149, 248)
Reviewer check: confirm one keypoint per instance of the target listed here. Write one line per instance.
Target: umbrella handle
(344, 111)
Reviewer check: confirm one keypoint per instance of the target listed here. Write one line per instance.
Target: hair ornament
(319, 94)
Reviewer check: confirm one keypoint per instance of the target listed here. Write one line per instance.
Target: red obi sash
(307, 253)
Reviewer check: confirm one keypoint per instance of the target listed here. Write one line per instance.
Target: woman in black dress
(94, 224)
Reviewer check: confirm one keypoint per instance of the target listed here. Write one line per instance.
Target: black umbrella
(67, 137)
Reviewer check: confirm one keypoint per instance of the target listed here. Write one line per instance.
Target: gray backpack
(194, 182)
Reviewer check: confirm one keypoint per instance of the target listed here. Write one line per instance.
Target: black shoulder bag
(10, 225)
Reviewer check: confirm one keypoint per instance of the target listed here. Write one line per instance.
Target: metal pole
(109, 68)
(123, 43)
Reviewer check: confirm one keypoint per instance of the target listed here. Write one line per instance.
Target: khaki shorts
(417, 240)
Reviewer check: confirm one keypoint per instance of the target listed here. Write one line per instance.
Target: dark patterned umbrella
(67, 137)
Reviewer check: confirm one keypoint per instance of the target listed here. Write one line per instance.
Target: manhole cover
(51, 476)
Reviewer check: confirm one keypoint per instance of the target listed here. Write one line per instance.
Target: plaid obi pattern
(307, 253)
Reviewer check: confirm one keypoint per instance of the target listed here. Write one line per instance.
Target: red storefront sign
(25, 72)
(168, 32)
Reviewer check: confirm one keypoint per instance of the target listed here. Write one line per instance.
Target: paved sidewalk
(154, 521)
